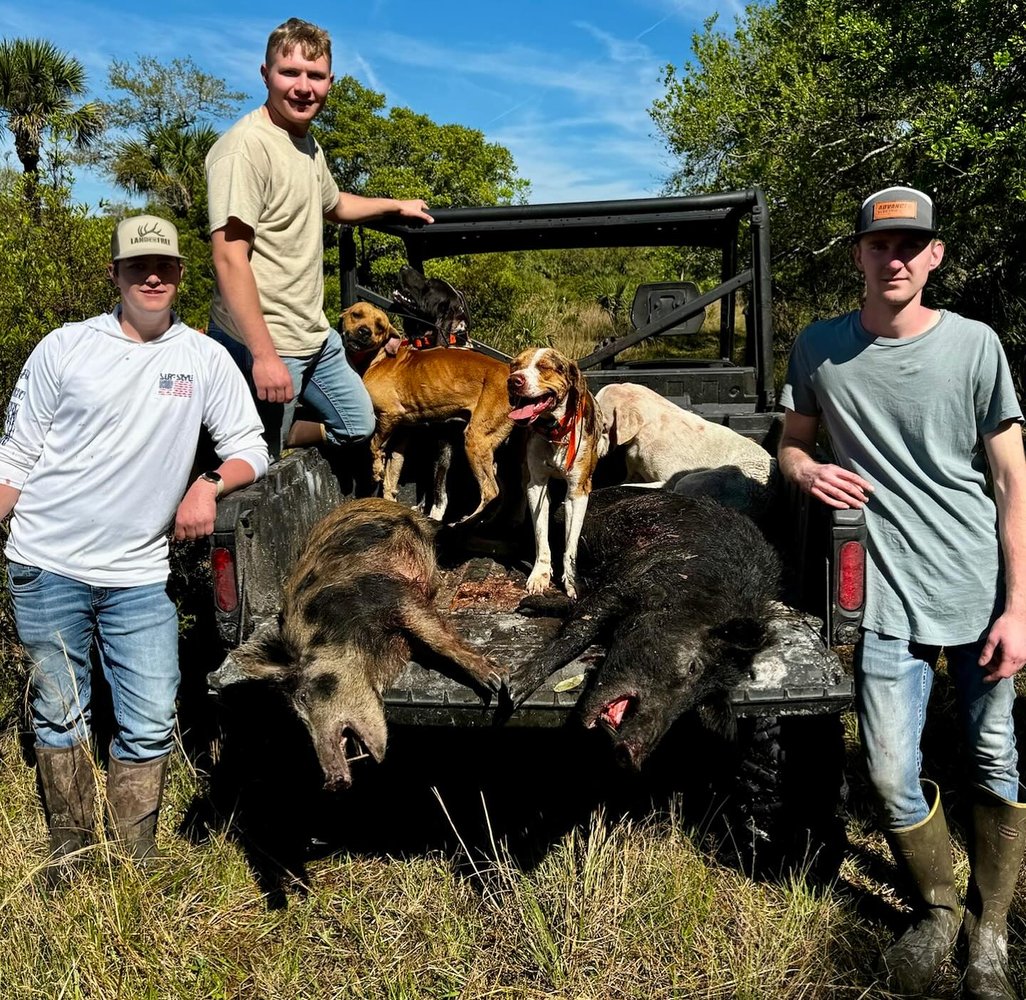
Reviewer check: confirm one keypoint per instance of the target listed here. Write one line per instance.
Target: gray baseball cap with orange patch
(897, 208)
(143, 235)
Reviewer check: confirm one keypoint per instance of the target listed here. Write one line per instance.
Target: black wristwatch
(215, 478)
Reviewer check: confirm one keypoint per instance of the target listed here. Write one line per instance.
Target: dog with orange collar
(548, 394)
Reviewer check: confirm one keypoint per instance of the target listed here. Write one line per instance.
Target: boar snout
(341, 751)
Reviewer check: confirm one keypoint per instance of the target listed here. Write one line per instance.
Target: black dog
(679, 590)
(436, 313)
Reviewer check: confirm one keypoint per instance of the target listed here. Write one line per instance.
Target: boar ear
(747, 634)
(264, 657)
(717, 714)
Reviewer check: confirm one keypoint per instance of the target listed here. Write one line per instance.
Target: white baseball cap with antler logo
(142, 235)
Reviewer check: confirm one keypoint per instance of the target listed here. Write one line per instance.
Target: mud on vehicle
(786, 782)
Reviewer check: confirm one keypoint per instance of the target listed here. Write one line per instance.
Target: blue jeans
(893, 681)
(325, 383)
(135, 630)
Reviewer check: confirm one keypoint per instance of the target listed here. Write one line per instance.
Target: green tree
(823, 101)
(400, 153)
(407, 155)
(166, 163)
(177, 94)
(52, 269)
(38, 85)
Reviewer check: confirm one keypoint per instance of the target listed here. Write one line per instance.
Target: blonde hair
(312, 41)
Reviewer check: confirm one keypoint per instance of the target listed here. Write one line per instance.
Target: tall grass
(613, 910)
(643, 905)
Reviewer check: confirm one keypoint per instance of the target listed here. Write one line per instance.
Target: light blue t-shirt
(909, 416)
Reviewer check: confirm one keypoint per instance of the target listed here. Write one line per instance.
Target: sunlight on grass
(613, 909)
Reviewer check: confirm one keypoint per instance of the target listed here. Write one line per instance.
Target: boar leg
(585, 627)
(425, 626)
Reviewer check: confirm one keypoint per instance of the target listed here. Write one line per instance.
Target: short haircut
(313, 42)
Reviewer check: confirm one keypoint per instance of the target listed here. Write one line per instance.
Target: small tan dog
(409, 386)
(548, 394)
(660, 439)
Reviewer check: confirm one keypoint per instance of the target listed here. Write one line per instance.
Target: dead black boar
(678, 590)
(357, 604)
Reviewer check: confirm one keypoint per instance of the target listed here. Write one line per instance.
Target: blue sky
(564, 85)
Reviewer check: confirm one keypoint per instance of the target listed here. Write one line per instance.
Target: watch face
(211, 477)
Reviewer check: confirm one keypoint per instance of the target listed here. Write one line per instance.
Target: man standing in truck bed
(269, 192)
(918, 402)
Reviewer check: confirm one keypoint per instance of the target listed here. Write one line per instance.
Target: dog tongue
(613, 713)
(530, 410)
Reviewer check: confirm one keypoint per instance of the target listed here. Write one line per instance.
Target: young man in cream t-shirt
(269, 193)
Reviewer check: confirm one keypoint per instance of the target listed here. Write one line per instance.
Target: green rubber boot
(923, 852)
(995, 855)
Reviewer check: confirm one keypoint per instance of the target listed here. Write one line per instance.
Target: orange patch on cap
(895, 210)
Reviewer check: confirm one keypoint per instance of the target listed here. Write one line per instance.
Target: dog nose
(517, 382)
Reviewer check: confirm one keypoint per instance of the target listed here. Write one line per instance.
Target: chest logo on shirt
(174, 384)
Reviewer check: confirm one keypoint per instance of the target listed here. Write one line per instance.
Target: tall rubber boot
(923, 852)
(134, 793)
(995, 855)
(305, 432)
(68, 787)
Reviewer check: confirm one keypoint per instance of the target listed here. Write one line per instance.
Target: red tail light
(851, 576)
(226, 594)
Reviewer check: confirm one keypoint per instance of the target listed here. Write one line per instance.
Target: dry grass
(613, 910)
(577, 327)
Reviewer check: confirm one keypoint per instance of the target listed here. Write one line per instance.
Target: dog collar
(566, 426)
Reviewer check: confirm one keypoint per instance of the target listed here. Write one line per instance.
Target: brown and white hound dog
(548, 393)
(409, 386)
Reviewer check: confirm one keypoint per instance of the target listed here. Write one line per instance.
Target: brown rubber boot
(923, 852)
(995, 855)
(68, 786)
(134, 792)
(305, 432)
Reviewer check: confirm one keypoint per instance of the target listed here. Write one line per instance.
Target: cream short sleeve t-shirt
(280, 186)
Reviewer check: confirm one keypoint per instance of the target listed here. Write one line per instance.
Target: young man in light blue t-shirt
(918, 404)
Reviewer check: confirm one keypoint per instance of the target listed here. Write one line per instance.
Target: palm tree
(37, 85)
(167, 163)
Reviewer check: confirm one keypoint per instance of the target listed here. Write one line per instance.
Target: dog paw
(538, 581)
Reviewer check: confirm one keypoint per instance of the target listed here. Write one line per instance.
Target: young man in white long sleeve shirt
(95, 456)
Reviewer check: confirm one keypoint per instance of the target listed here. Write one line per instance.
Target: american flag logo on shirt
(174, 384)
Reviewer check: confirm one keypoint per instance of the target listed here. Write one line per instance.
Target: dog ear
(625, 424)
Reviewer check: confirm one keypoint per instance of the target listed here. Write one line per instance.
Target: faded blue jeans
(325, 383)
(893, 679)
(135, 630)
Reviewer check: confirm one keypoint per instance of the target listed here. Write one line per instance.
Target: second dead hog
(679, 590)
(358, 603)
